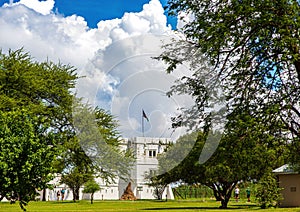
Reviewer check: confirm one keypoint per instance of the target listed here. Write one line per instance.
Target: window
(152, 153)
(293, 189)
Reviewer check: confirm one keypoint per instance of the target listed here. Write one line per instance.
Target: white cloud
(47, 36)
(43, 7)
(115, 57)
(134, 24)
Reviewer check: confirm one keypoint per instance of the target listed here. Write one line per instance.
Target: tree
(246, 152)
(267, 193)
(253, 48)
(158, 185)
(93, 149)
(91, 187)
(43, 88)
(75, 166)
(74, 179)
(26, 155)
(38, 94)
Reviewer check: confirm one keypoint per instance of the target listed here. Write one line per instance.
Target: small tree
(158, 185)
(268, 192)
(91, 187)
(92, 150)
(75, 179)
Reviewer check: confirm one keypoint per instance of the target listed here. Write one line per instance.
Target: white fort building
(145, 151)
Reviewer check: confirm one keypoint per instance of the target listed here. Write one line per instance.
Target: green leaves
(253, 47)
(247, 151)
(35, 117)
(97, 135)
(91, 186)
(267, 193)
(25, 156)
(43, 88)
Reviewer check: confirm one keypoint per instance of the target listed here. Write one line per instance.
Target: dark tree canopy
(246, 54)
(261, 35)
(247, 150)
(253, 48)
(55, 137)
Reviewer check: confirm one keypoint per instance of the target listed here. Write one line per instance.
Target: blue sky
(95, 10)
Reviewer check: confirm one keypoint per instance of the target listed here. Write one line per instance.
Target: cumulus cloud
(43, 7)
(115, 59)
(47, 36)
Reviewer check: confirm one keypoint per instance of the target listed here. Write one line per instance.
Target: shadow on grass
(181, 208)
(238, 207)
(63, 202)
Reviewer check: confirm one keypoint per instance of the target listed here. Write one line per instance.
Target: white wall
(144, 163)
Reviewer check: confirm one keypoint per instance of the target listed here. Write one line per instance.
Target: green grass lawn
(151, 206)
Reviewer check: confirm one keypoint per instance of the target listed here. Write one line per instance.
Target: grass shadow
(63, 202)
(181, 208)
(232, 207)
(192, 208)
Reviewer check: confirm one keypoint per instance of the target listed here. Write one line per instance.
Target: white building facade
(145, 151)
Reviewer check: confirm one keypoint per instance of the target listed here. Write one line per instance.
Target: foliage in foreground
(35, 104)
(247, 151)
(253, 47)
(26, 156)
(267, 193)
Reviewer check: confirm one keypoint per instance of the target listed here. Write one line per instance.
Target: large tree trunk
(44, 195)
(222, 192)
(225, 200)
(217, 195)
(224, 204)
(75, 193)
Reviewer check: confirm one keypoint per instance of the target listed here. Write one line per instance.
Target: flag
(144, 115)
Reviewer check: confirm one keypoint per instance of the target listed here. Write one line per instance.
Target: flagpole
(143, 123)
(144, 116)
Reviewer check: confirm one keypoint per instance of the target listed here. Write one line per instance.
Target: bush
(268, 193)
